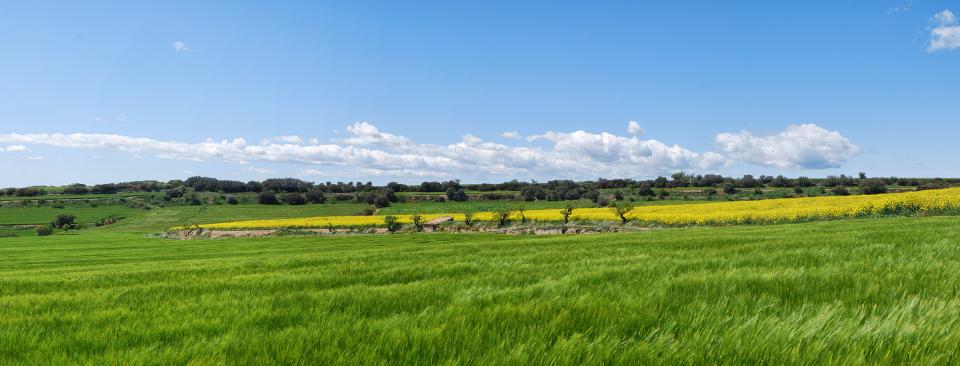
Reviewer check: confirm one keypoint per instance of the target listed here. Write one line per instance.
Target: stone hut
(434, 225)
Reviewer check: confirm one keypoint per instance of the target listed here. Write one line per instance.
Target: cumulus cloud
(180, 46)
(367, 151)
(634, 128)
(16, 148)
(946, 32)
(510, 135)
(805, 146)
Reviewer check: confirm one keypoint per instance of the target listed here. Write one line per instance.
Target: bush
(232, 200)
(840, 190)
(44, 230)
(369, 211)
(294, 199)
(171, 194)
(392, 223)
(267, 198)
(729, 189)
(381, 202)
(646, 190)
(64, 221)
(873, 186)
(417, 221)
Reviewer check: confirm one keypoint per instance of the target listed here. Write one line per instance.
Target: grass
(869, 291)
(43, 214)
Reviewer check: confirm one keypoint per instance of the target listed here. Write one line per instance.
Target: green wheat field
(867, 291)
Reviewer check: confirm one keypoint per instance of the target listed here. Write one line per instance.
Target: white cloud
(634, 128)
(122, 117)
(946, 34)
(367, 151)
(16, 148)
(805, 146)
(179, 46)
(36, 158)
(511, 135)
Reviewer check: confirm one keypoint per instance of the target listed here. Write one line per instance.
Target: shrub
(729, 189)
(295, 199)
(64, 221)
(369, 211)
(381, 202)
(646, 190)
(840, 190)
(44, 230)
(873, 186)
(417, 220)
(171, 194)
(232, 200)
(267, 198)
(468, 218)
(392, 223)
(439, 199)
(601, 201)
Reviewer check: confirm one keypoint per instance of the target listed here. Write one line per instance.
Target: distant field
(161, 219)
(75, 196)
(874, 291)
(43, 215)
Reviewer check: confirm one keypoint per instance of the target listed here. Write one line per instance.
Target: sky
(481, 91)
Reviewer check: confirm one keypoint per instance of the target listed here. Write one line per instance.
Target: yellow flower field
(720, 213)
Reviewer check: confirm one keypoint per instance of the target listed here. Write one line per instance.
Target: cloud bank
(805, 146)
(368, 151)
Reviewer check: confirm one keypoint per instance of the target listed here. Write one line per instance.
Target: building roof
(439, 220)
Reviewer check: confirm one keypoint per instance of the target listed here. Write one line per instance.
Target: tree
(532, 193)
(267, 198)
(567, 212)
(523, 217)
(392, 223)
(502, 214)
(646, 190)
(456, 194)
(64, 221)
(295, 199)
(798, 189)
(862, 175)
(316, 196)
(468, 218)
(417, 221)
(621, 210)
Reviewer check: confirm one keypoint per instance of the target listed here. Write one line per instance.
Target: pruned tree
(621, 210)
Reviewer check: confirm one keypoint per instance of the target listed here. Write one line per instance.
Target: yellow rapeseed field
(720, 213)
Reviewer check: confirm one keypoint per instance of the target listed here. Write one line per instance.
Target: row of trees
(456, 191)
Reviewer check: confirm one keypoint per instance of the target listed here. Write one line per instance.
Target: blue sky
(412, 91)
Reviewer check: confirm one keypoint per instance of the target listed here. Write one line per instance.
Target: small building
(433, 225)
